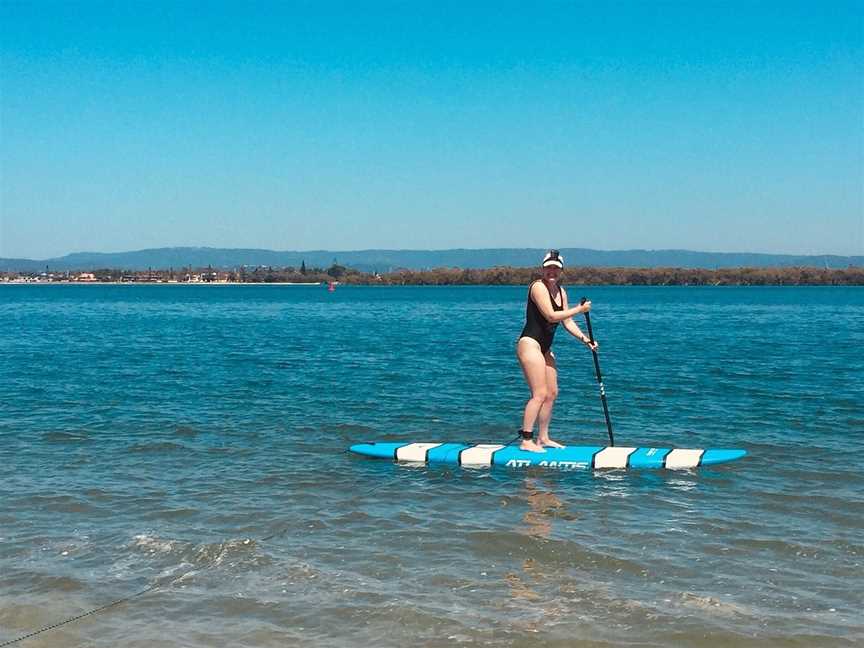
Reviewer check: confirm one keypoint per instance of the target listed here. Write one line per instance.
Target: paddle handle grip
(587, 320)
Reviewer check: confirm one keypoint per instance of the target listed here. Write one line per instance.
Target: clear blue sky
(716, 126)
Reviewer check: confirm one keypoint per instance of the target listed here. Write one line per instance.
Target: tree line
(503, 276)
(785, 276)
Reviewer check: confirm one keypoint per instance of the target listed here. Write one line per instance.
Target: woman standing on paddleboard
(547, 307)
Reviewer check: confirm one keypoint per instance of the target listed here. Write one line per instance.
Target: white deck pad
(414, 451)
(479, 455)
(680, 458)
(613, 457)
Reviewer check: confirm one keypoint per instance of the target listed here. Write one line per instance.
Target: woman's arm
(541, 297)
(573, 328)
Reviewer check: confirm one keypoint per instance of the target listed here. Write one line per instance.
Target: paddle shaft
(599, 376)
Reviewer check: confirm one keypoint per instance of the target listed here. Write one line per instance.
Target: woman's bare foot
(548, 443)
(530, 446)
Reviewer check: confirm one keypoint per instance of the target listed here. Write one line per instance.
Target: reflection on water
(543, 508)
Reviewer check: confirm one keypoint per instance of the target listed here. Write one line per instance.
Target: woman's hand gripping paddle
(599, 377)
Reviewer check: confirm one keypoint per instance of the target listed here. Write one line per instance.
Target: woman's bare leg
(545, 415)
(534, 367)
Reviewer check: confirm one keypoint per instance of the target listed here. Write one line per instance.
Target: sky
(715, 126)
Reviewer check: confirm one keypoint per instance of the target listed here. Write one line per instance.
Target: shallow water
(193, 438)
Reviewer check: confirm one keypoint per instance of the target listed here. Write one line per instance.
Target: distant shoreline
(384, 261)
(453, 276)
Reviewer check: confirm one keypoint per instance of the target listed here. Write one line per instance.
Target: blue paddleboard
(569, 458)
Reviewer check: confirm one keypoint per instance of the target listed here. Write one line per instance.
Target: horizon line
(443, 249)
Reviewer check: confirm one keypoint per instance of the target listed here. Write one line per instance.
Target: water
(192, 438)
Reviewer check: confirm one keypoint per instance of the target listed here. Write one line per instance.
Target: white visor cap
(552, 259)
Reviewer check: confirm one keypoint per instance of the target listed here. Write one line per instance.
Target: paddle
(599, 377)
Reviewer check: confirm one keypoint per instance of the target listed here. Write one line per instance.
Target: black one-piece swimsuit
(536, 326)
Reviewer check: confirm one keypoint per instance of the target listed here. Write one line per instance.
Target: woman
(547, 307)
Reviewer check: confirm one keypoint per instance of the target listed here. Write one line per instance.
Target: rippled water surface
(187, 444)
